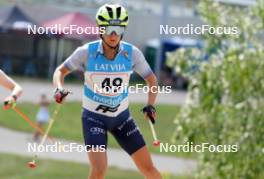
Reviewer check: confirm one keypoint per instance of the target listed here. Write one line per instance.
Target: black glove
(151, 112)
(60, 94)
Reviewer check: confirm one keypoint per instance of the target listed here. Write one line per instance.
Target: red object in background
(78, 20)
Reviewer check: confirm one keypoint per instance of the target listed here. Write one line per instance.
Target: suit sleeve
(140, 64)
(77, 60)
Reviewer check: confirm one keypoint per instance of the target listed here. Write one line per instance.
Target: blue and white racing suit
(105, 96)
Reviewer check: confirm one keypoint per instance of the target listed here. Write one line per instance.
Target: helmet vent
(110, 11)
(118, 12)
(101, 18)
(125, 19)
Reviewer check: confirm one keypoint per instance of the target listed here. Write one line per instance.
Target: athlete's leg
(95, 137)
(98, 161)
(144, 163)
(128, 136)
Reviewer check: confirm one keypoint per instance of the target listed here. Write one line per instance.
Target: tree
(225, 103)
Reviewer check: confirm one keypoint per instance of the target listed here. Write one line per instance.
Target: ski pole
(32, 164)
(156, 142)
(26, 118)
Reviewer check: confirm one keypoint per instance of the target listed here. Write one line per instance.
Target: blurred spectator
(42, 115)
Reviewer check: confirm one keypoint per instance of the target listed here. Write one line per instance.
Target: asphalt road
(17, 143)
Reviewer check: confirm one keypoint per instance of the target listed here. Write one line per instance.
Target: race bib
(107, 84)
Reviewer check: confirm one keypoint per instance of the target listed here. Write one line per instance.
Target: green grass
(68, 122)
(14, 167)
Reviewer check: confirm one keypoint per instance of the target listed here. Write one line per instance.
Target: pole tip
(32, 164)
(156, 143)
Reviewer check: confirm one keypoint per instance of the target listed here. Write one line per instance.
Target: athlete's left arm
(151, 80)
(141, 66)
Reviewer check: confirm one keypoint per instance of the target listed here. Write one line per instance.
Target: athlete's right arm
(58, 77)
(76, 61)
(58, 81)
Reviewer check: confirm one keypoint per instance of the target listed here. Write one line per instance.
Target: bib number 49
(112, 86)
